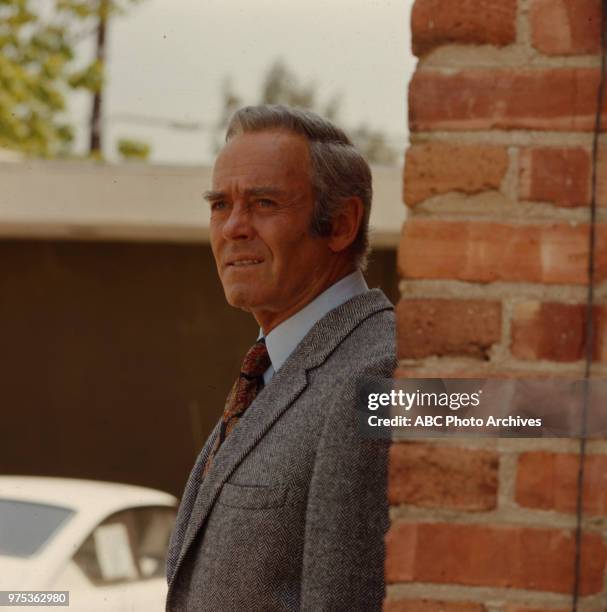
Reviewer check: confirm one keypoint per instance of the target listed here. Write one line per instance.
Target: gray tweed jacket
(293, 513)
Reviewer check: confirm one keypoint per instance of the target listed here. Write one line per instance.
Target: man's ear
(346, 223)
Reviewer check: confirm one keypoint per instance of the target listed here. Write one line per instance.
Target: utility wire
(589, 323)
(155, 121)
(200, 126)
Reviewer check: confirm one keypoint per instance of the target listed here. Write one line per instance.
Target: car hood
(17, 573)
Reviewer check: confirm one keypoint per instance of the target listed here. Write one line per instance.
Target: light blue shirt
(284, 338)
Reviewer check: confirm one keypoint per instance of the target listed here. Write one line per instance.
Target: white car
(105, 543)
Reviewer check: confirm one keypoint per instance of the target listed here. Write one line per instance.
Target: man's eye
(265, 203)
(218, 205)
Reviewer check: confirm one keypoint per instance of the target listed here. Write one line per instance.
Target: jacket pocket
(252, 496)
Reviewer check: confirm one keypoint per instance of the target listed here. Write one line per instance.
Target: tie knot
(257, 360)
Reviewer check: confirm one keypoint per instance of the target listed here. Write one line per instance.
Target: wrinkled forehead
(269, 157)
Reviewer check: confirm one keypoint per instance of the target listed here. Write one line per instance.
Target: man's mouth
(244, 262)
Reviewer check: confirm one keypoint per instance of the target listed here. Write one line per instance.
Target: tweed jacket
(292, 515)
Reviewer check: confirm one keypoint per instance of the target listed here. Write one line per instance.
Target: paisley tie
(248, 384)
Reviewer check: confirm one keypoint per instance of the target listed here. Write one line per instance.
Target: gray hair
(338, 169)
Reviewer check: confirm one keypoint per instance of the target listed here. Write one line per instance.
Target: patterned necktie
(248, 384)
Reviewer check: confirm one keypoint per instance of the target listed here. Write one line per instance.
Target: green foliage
(133, 149)
(33, 58)
(90, 77)
(37, 69)
(282, 86)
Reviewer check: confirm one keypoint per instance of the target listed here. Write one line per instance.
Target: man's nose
(238, 225)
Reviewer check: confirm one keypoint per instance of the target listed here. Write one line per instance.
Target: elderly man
(285, 508)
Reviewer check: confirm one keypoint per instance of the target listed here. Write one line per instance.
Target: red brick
(600, 334)
(431, 605)
(555, 331)
(480, 370)
(566, 27)
(448, 327)
(491, 251)
(601, 179)
(497, 556)
(560, 176)
(435, 168)
(436, 22)
(548, 331)
(548, 481)
(583, 606)
(519, 608)
(431, 476)
(561, 99)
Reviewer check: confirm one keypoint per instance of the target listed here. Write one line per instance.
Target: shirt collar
(284, 338)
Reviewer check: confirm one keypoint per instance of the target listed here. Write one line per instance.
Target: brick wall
(493, 262)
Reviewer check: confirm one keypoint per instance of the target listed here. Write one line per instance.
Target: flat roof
(84, 200)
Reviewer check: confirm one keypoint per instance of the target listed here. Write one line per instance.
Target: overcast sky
(168, 58)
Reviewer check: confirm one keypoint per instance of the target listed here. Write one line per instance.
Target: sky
(167, 60)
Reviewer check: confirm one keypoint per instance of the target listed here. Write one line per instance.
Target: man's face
(261, 210)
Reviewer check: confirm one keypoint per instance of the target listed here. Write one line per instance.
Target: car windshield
(25, 527)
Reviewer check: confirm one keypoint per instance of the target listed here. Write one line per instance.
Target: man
(285, 508)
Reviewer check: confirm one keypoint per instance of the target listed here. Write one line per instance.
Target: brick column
(493, 262)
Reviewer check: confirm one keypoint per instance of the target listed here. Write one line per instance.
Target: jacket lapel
(284, 388)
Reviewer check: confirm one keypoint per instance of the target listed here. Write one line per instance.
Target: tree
(133, 150)
(282, 86)
(34, 56)
(38, 68)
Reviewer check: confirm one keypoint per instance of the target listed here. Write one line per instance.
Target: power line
(151, 120)
(200, 126)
